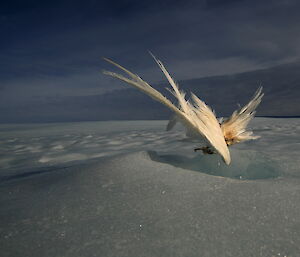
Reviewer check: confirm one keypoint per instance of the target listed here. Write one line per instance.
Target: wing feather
(196, 117)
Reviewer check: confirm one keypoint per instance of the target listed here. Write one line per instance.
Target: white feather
(196, 117)
(235, 126)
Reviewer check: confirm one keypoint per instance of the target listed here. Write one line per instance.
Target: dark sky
(54, 48)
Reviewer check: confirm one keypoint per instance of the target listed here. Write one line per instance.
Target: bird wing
(196, 116)
(234, 128)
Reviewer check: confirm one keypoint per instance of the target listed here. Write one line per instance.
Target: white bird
(196, 116)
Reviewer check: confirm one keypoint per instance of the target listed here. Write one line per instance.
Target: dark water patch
(246, 165)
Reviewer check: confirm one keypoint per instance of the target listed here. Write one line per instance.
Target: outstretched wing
(234, 128)
(197, 117)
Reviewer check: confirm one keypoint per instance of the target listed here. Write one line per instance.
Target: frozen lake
(129, 188)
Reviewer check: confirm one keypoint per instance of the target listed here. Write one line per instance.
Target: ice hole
(245, 164)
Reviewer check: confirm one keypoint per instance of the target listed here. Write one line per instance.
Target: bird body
(196, 116)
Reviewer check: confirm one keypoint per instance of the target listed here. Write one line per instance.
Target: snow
(133, 189)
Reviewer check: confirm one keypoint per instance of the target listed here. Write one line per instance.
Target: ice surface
(132, 189)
